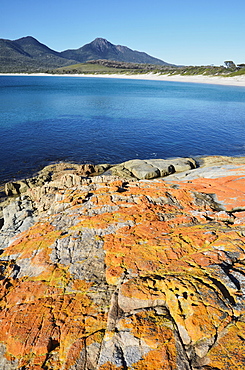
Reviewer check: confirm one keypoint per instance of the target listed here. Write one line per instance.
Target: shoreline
(212, 80)
(194, 162)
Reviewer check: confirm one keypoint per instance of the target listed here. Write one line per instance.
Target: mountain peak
(101, 44)
(100, 40)
(28, 39)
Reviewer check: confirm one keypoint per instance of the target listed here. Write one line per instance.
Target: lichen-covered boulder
(112, 274)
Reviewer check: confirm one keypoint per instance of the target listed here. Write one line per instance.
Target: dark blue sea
(98, 120)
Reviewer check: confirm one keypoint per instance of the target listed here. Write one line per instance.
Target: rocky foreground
(104, 269)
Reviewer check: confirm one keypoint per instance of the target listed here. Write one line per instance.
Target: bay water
(45, 119)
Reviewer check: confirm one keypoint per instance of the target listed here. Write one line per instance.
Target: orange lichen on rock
(45, 322)
(176, 265)
(38, 237)
(229, 351)
(230, 192)
(46, 317)
(119, 275)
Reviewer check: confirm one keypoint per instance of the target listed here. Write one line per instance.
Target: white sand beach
(233, 81)
(217, 80)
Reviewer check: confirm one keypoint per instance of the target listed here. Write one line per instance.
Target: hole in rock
(121, 189)
(185, 295)
(53, 343)
(171, 169)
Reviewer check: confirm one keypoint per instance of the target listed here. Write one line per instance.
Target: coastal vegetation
(113, 67)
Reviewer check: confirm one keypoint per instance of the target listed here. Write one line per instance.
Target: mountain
(28, 54)
(103, 49)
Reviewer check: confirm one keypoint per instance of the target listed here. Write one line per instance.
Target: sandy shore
(233, 81)
(217, 80)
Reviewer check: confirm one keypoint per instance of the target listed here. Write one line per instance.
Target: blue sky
(177, 31)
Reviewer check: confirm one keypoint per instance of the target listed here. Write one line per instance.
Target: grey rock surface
(152, 168)
(18, 216)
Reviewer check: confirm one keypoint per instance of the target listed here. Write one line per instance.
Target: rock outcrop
(105, 272)
(151, 168)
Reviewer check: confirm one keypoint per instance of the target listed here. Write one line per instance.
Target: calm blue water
(97, 120)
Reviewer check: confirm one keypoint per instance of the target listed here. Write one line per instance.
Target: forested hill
(27, 54)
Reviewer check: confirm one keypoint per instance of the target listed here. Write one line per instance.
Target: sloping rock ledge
(102, 269)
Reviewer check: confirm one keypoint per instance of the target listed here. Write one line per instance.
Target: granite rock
(152, 168)
(112, 273)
